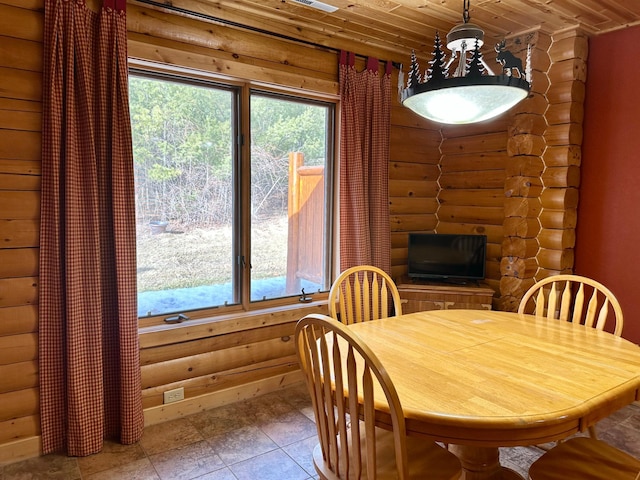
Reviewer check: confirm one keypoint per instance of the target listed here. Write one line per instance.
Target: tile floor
(269, 437)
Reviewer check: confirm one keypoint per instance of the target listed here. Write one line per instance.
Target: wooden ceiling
(391, 28)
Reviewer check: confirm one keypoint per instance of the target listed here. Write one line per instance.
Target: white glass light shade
(465, 100)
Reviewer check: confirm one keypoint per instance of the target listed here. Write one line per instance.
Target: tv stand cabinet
(421, 295)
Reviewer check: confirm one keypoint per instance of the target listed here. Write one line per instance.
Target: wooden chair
(587, 459)
(563, 297)
(362, 293)
(346, 381)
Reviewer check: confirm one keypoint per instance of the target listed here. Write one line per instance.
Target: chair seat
(427, 460)
(585, 459)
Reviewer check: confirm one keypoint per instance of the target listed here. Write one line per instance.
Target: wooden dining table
(478, 380)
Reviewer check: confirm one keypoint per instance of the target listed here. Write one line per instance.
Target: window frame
(243, 90)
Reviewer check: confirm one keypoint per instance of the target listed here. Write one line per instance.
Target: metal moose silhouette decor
(508, 60)
(472, 93)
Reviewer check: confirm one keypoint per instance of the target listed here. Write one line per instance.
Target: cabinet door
(413, 305)
(466, 306)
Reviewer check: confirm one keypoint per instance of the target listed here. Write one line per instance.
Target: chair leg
(592, 432)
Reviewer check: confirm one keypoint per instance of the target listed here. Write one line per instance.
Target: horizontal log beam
(566, 92)
(474, 162)
(494, 233)
(557, 239)
(521, 227)
(173, 351)
(564, 134)
(19, 428)
(413, 171)
(409, 205)
(14, 182)
(18, 348)
(515, 287)
(571, 112)
(527, 123)
(18, 320)
(559, 218)
(412, 223)
(556, 259)
(522, 207)
(20, 144)
(480, 197)
(568, 48)
(471, 214)
(518, 267)
(520, 247)
(413, 188)
(414, 145)
(207, 384)
(18, 376)
(519, 186)
(559, 198)
(562, 177)
(493, 142)
(563, 156)
(480, 179)
(19, 262)
(525, 166)
(526, 144)
(568, 70)
(19, 403)
(18, 291)
(213, 362)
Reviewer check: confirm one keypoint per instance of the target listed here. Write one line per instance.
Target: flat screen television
(447, 256)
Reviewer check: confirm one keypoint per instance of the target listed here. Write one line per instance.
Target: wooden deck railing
(306, 223)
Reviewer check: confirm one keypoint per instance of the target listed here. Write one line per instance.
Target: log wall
(21, 28)
(413, 181)
(472, 175)
(441, 179)
(523, 184)
(543, 176)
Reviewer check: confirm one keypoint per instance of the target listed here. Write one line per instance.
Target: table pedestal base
(480, 463)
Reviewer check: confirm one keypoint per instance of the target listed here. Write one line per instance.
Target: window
(214, 229)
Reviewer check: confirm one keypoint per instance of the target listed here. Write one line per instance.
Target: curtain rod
(231, 23)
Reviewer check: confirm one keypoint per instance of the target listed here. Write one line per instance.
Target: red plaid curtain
(90, 385)
(364, 164)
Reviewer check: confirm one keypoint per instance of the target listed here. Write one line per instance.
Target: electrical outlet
(174, 395)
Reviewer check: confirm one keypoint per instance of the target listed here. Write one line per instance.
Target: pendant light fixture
(472, 93)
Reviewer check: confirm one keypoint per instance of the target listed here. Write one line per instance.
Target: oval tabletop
(489, 378)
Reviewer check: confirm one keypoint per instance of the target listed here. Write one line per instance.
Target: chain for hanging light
(465, 11)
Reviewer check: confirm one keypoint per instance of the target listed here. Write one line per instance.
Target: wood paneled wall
(441, 179)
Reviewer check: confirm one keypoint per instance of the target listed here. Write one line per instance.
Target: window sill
(236, 321)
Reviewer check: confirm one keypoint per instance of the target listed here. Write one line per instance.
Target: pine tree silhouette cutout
(414, 77)
(437, 72)
(475, 68)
